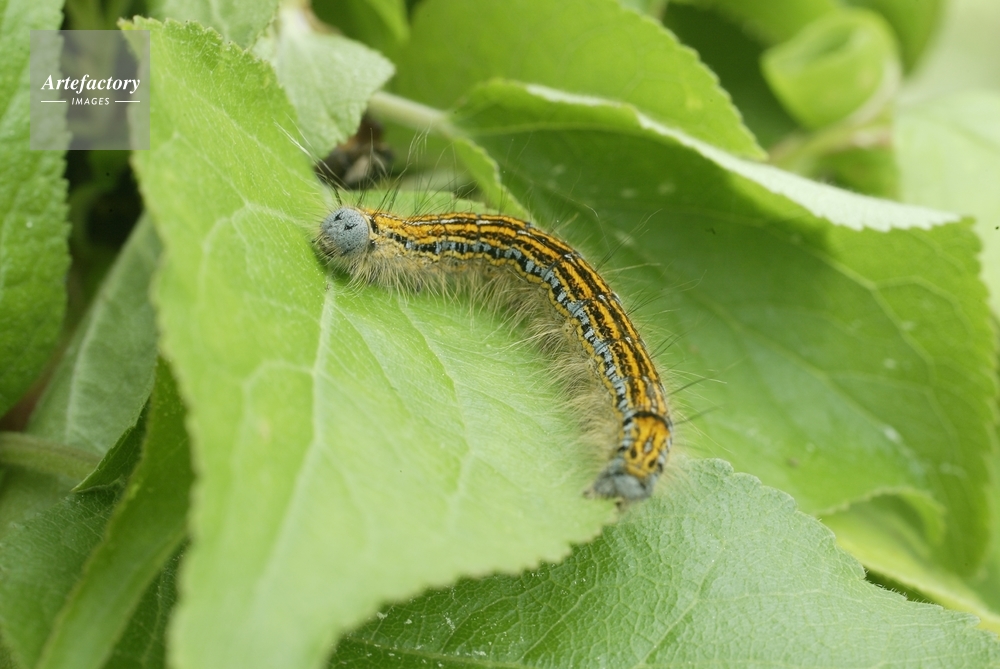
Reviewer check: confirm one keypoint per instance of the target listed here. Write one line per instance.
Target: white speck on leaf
(891, 434)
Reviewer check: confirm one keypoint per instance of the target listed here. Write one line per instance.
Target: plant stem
(41, 455)
(412, 114)
(800, 153)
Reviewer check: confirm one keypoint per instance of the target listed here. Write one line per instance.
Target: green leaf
(106, 373)
(326, 447)
(328, 80)
(53, 596)
(717, 570)
(143, 644)
(986, 583)
(771, 21)
(890, 541)
(913, 22)
(25, 493)
(855, 363)
(381, 24)
(118, 463)
(40, 562)
(948, 153)
(33, 230)
(735, 59)
(486, 173)
(242, 21)
(604, 50)
(6, 659)
(145, 530)
(842, 65)
(785, 194)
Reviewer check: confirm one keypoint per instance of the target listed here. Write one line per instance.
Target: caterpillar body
(378, 246)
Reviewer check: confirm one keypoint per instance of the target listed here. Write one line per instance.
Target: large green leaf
(785, 195)
(885, 538)
(96, 393)
(106, 373)
(333, 430)
(715, 571)
(33, 230)
(590, 47)
(986, 583)
(854, 363)
(241, 21)
(948, 152)
(143, 644)
(40, 562)
(146, 529)
(77, 593)
(328, 79)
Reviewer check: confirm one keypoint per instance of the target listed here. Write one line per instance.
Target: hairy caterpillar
(380, 247)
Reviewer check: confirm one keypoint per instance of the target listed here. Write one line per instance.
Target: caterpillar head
(344, 234)
(632, 474)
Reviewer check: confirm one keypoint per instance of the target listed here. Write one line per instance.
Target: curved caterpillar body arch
(373, 245)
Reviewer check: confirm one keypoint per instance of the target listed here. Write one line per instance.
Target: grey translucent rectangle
(89, 90)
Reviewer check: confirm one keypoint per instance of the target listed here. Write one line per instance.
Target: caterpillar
(376, 246)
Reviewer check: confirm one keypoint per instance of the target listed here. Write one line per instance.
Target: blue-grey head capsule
(614, 481)
(344, 232)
